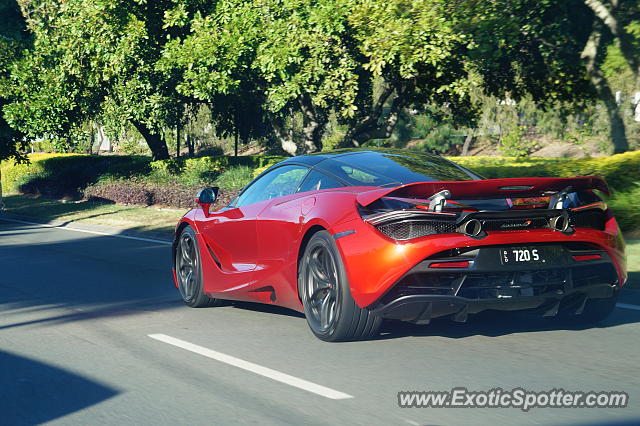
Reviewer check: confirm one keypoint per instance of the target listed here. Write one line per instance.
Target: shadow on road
(75, 276)
(489, 323)
(495, 323)
(33, 392)
(71, 276)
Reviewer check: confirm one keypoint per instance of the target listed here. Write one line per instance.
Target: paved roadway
(77, 309)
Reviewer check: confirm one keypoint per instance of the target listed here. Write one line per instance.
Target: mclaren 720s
(352, 238)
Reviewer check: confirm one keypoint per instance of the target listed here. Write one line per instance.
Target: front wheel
(331, 312)
(189, 271)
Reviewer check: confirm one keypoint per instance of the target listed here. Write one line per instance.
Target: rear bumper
(420, 308)
(561, 283)
(375, 263)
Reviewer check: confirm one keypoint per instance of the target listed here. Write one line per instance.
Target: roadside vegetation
(137, 180)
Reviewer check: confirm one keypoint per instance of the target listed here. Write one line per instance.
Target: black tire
(189, 271)
(331, 312)
(595, 310)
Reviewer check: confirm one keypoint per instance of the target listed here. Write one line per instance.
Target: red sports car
(353, 237)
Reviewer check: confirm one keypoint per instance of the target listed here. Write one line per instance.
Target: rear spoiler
(487, 189)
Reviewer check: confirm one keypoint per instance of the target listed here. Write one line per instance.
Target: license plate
(522, 256)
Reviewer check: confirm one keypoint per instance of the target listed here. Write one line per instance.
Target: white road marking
(627, 306)
(254, 368)
(128, 237)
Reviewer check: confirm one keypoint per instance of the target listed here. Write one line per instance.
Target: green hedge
(621, 171)
(60, 175)
(67, 175)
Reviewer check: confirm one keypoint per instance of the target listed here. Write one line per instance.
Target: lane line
(254, 368)
(128, 237)
(627, 306)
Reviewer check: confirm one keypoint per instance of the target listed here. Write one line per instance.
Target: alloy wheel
(321, 288)
(187, 267)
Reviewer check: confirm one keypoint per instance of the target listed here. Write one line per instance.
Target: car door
(279, 228)
(231, 233)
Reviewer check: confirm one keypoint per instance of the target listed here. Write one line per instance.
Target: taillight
(460, 264)
(583, 257)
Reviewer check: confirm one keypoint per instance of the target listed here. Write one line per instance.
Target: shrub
(514, 144)
(57, 176)
(624, 206)
(148, 194)
(66, 175)
(234, 178)
(621, 171)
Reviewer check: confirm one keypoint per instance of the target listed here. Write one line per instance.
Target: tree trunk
(467, 143)
(607, 14)
(156, 144)
(312, 125)
(235, 142)
(590, 55)
(374, 127)
(178, 141)
(377, 125)
(1, 199)
(190, 144)
(286, 138)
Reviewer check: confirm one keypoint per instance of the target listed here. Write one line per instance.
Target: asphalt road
(77, 309)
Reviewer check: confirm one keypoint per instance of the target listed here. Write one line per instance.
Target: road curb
(108, 230)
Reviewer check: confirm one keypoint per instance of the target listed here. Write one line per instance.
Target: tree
(251, 59)
(548, 49)
(615, 15)
(96, 59)
(299, 60)
(13, 39)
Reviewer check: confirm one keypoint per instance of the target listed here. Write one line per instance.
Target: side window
(316, 181)
(277, 183)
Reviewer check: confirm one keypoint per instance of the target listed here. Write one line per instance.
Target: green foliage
(234, 178)
(60, 175)
(292, 69)
(96, 59)
(13, 39)
(621, 171)
(528, 47)
(625, 207)
(131, 146)
(514, 144)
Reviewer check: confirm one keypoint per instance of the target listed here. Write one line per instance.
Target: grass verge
(114, 215)
(633, 263)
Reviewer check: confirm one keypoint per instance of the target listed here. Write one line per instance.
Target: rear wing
(487, 189)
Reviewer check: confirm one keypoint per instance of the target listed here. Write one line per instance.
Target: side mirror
(206, 197)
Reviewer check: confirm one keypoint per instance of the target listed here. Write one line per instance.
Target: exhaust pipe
(561, 223)
(473, 228)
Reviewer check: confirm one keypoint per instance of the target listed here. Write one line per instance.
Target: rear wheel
(189, 271)
(331, 312)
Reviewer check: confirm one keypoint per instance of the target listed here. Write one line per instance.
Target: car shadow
(495, 324)
(260, 307)
(33, 392)
(488, 323)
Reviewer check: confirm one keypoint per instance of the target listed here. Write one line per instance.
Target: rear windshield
(374, 169)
